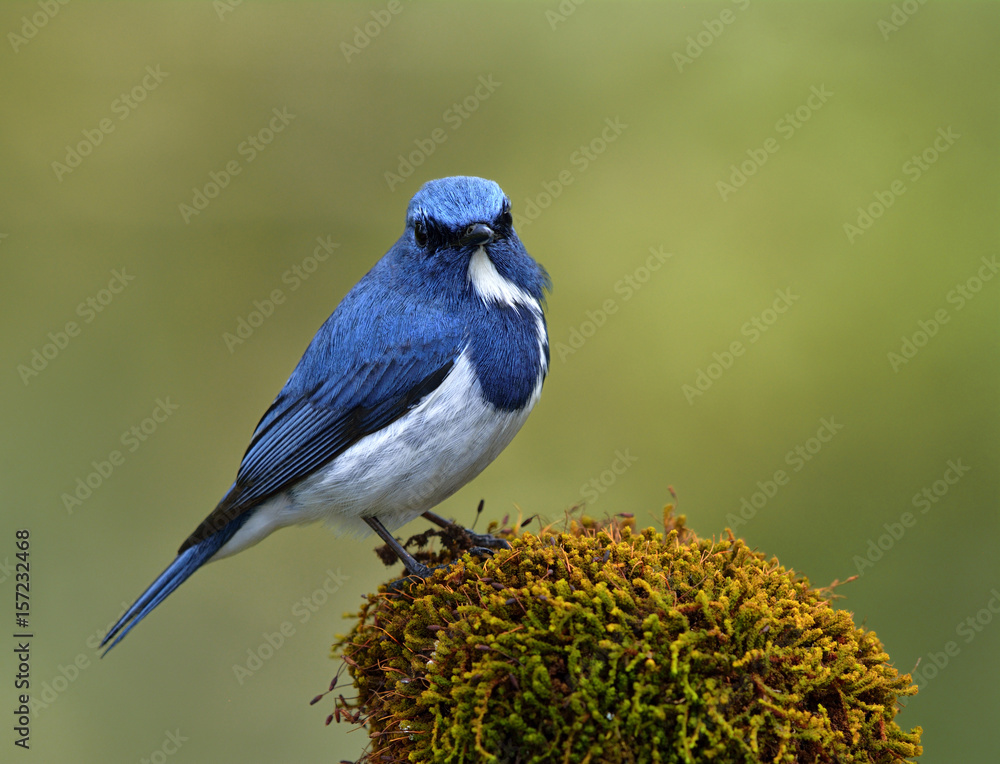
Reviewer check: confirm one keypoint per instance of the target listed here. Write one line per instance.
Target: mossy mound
(601, 644)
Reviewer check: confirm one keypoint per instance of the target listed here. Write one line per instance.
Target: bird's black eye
(420, 233)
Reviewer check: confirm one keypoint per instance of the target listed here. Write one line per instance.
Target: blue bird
(417, 381)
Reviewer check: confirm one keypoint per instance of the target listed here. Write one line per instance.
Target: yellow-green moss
(605, 645)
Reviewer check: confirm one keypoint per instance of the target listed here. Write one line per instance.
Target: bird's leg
(413, 567)
(480, 541)
(418, 569)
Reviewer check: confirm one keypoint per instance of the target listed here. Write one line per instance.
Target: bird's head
(460, 231)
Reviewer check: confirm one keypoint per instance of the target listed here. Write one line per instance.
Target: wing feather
(350, 383)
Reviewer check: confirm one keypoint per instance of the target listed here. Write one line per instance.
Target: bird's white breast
(401, 471)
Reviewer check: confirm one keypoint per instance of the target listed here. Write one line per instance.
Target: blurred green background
(807, 111)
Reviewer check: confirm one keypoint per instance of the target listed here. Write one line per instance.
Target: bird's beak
(477, 234)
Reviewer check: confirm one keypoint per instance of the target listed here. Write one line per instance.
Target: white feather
(401, 471)
(490, 285)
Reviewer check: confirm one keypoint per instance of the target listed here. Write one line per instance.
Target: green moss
(601, 644)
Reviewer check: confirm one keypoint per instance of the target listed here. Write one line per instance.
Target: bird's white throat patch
(491, 286)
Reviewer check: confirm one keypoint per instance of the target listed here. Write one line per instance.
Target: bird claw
(481, 551)
(454, 530)
(488, 540)
(415, 576)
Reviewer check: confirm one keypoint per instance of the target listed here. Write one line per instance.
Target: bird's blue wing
(305, 431)
(359, 375)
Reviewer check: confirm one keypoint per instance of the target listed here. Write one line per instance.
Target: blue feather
(506, 358)
(177, 573)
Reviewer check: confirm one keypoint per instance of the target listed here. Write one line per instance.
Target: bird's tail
(186, 563)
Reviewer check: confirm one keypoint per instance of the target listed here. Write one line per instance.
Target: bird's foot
(482, 551)
(482, 540)
(486, 540)
(418, 572)
(412, 577)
